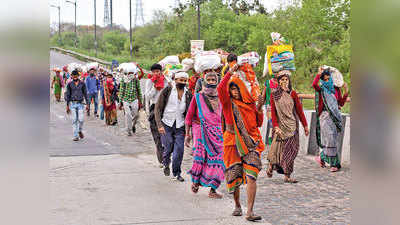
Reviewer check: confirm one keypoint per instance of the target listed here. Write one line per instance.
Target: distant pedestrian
(74, 96)
(286, 111)
(204, 127)
(270, 86)
(154, 85)
(242, 140)
(109, 100)
(93, 88)
(57, 84)
(170, 112)
(328, 100)
(130, 97)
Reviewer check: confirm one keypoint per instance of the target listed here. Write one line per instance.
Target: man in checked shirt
(130, 96)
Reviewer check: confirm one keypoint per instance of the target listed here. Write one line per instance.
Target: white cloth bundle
(187, 64)
(207, 60)
(337, 76)
(172, 60)
(251, 58)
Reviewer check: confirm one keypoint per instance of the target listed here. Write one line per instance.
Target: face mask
(211, 86)
(180, 85)
(75, 79)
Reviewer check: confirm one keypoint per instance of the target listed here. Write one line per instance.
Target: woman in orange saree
(242, 140)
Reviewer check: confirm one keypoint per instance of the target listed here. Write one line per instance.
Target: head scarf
(244, 93)
(327, 86)
(209, 91)
(278, 93)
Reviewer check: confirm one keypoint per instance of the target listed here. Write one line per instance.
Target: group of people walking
(218, 116)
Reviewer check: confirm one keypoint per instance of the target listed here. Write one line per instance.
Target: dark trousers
(95, 101)
(173, 142)
(156, 134)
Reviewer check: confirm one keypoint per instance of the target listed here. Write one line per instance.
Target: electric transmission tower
(139, 18)
(106, 14)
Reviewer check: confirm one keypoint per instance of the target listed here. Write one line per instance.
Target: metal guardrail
(312, 96)
(81, 56)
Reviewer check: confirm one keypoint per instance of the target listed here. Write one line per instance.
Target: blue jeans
(93, 96)
(173, 142)
(77, 117)
(101, 111)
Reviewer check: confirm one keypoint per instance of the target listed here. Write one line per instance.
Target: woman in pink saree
(204, 120)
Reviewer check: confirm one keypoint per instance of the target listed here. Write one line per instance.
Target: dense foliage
(318, 29)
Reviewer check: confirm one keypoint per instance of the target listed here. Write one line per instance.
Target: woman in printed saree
(57, 84)
(204, 120)
(328, 100)
(286, 111)
(242, 139)
(110, 96)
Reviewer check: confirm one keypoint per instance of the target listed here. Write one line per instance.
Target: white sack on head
(172, 60)
(337, 76)
(207, 60)
(187, 64)
(130, 68)
(275, 36)
(251, 58)
(92, 65)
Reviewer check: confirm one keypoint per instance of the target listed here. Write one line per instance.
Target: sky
(85, 10)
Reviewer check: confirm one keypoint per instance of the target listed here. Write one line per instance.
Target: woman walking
(109, 99)
(204, 119)
(328, 100)
(286, 111)
(242, 140)
(57, 84)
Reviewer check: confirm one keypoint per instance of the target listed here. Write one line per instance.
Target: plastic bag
(280, 57)
(207, 60)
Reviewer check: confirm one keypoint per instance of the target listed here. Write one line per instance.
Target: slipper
(253, 217)
(334, 169)
(291, 181)
(195, 188)
(237, 212)
(214, 195)
(319, 161)
(269, 172)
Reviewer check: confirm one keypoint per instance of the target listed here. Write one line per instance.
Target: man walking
(93, 87)
(74, 96)
(170, 112)
(130, 96)
(154, 85)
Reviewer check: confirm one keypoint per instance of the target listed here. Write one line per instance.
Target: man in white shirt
(154, 85)
(170, 112)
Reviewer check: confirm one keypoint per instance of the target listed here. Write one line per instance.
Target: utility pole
(111, 14)
(76, 35)
(198, 19)
(95, 25)
(130, 26)
(59, 22)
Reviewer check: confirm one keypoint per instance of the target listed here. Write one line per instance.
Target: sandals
(195, 188)
(237, 212)
(334, 169)
(214, 195)
(253, 217)
(290, 180)
(319, 161)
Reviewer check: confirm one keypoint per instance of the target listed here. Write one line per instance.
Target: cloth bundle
(92, 65)
(171, 60)
(336, 75)
(251, 58)
(187, 64)
(207, 60)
